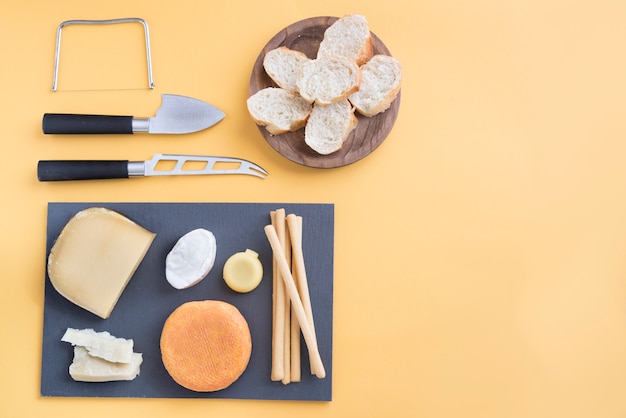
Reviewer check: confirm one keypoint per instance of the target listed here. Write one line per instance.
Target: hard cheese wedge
(101, 344)
(87, 368)
(95, 256)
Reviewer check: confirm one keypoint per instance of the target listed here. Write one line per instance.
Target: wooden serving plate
(305, 36)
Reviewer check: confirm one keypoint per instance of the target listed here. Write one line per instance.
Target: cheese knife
(159, 165)
(177, 115)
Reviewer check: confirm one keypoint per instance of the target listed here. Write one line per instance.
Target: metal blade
(193, 165)
(181, 115)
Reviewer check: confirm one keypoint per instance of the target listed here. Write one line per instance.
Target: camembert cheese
(95, 256)
(191, 259)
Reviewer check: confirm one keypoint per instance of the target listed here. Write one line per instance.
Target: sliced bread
(279, 110)
(283, 66)
(328, 80)
(380, 84)
(329, 126)
(348, 37)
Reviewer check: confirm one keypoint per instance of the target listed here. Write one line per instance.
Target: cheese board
(305, 36)
(148, 299)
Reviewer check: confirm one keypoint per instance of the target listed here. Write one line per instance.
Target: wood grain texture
(305, 36)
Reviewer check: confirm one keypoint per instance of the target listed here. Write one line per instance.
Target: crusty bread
(343, 78)
(380, 84)
(348, 37)
(328, 80)
(279, 110)
(329, 126)
(205, 345)
(283, 66)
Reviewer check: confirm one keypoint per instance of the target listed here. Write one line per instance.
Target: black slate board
(149, 299)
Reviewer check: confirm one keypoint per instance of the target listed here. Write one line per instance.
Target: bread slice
(283, 66)
(348, 37)
(279, 110)
(328, 80)
(380, 84)
(329, 126)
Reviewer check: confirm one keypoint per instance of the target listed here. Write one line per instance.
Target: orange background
(479, 255)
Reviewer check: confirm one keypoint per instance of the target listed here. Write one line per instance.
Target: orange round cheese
(205, 345)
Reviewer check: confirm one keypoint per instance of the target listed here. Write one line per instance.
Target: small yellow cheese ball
(243, 271)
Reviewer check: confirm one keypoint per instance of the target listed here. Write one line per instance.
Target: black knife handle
(59, 170)
(64, 123)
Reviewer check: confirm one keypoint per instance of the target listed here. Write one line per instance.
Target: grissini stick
(295, 229)
(278, 330)
(292, 291)
(296, 367)
(285, 242)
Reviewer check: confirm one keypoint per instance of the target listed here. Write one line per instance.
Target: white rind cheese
(101, 344)
(191, 258)
(95, 256)
(87, 368)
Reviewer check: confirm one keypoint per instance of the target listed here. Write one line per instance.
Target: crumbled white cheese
(87, 368)
(101, 344)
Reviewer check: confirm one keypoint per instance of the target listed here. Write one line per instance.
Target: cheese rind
(95, 256)
(101, 344)
(87, 368)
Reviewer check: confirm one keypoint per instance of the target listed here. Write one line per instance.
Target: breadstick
(285, 242)
(292, 291)
(295, 347)
(295, 229)
(278, 315)
(295, 328)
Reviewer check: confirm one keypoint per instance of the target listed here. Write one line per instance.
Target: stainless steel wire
(57, 53)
